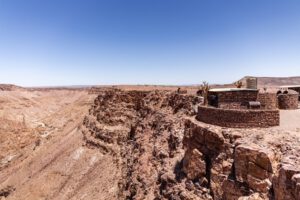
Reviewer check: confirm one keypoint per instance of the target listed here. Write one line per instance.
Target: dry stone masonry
(238, 118)
(288, 101)
(240, 108)
(231, 98)
(268, 100)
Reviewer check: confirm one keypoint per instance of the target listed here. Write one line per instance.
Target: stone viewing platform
(238, 118)
(240, 108)
(234, 98)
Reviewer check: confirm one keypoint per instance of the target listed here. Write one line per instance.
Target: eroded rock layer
(238, 164)
(162, 152)
(144, 132)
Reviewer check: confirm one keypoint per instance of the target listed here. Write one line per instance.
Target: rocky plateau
(138, 144)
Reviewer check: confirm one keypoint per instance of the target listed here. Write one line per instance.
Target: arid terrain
(138, 142)
(276, 81)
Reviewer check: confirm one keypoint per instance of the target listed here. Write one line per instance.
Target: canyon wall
(163, 152)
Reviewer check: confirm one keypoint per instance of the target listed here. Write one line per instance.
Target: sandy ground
(290, 120)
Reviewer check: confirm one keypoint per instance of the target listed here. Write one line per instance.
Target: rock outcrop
(236, 167)
(164, 153)
(144, 132)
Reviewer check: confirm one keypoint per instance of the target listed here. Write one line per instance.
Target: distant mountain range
(275, 81)
(8, 87)
(262, 82)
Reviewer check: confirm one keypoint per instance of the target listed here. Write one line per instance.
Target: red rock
(194, 165)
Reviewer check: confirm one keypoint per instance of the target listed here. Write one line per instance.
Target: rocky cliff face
(144, 132)
(237, 164)
(162, 152)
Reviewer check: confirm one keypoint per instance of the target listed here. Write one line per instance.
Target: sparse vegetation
(238, 84)
(205, 88)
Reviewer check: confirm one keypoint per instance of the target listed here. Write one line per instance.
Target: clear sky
(79, 42)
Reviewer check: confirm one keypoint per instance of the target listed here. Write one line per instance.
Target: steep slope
(162, 152)
(67, 144)
(143, 131)
(51, 160)
(244, 163)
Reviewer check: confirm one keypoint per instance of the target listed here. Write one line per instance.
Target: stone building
(288, 100)
(233, 107)
(231, 98)
(268, 100)
(292, 87)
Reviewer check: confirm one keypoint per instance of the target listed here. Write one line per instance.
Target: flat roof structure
(231, 89)
(290, 86)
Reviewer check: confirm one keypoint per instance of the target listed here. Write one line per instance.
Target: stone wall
(288, 101)
(229, 98)
(101, 90)
(236, 96)
(268, 100)
(231, 105)
(238, 118)
(297, 89)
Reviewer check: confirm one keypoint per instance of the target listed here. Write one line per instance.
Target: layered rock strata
(164, 153)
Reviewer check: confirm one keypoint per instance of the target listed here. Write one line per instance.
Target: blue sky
(83, 42)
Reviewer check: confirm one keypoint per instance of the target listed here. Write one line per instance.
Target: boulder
(233, 190)
(194, 165)
(286, 182)
(254, 166)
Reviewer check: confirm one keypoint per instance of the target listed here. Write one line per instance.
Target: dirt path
(290, 119)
